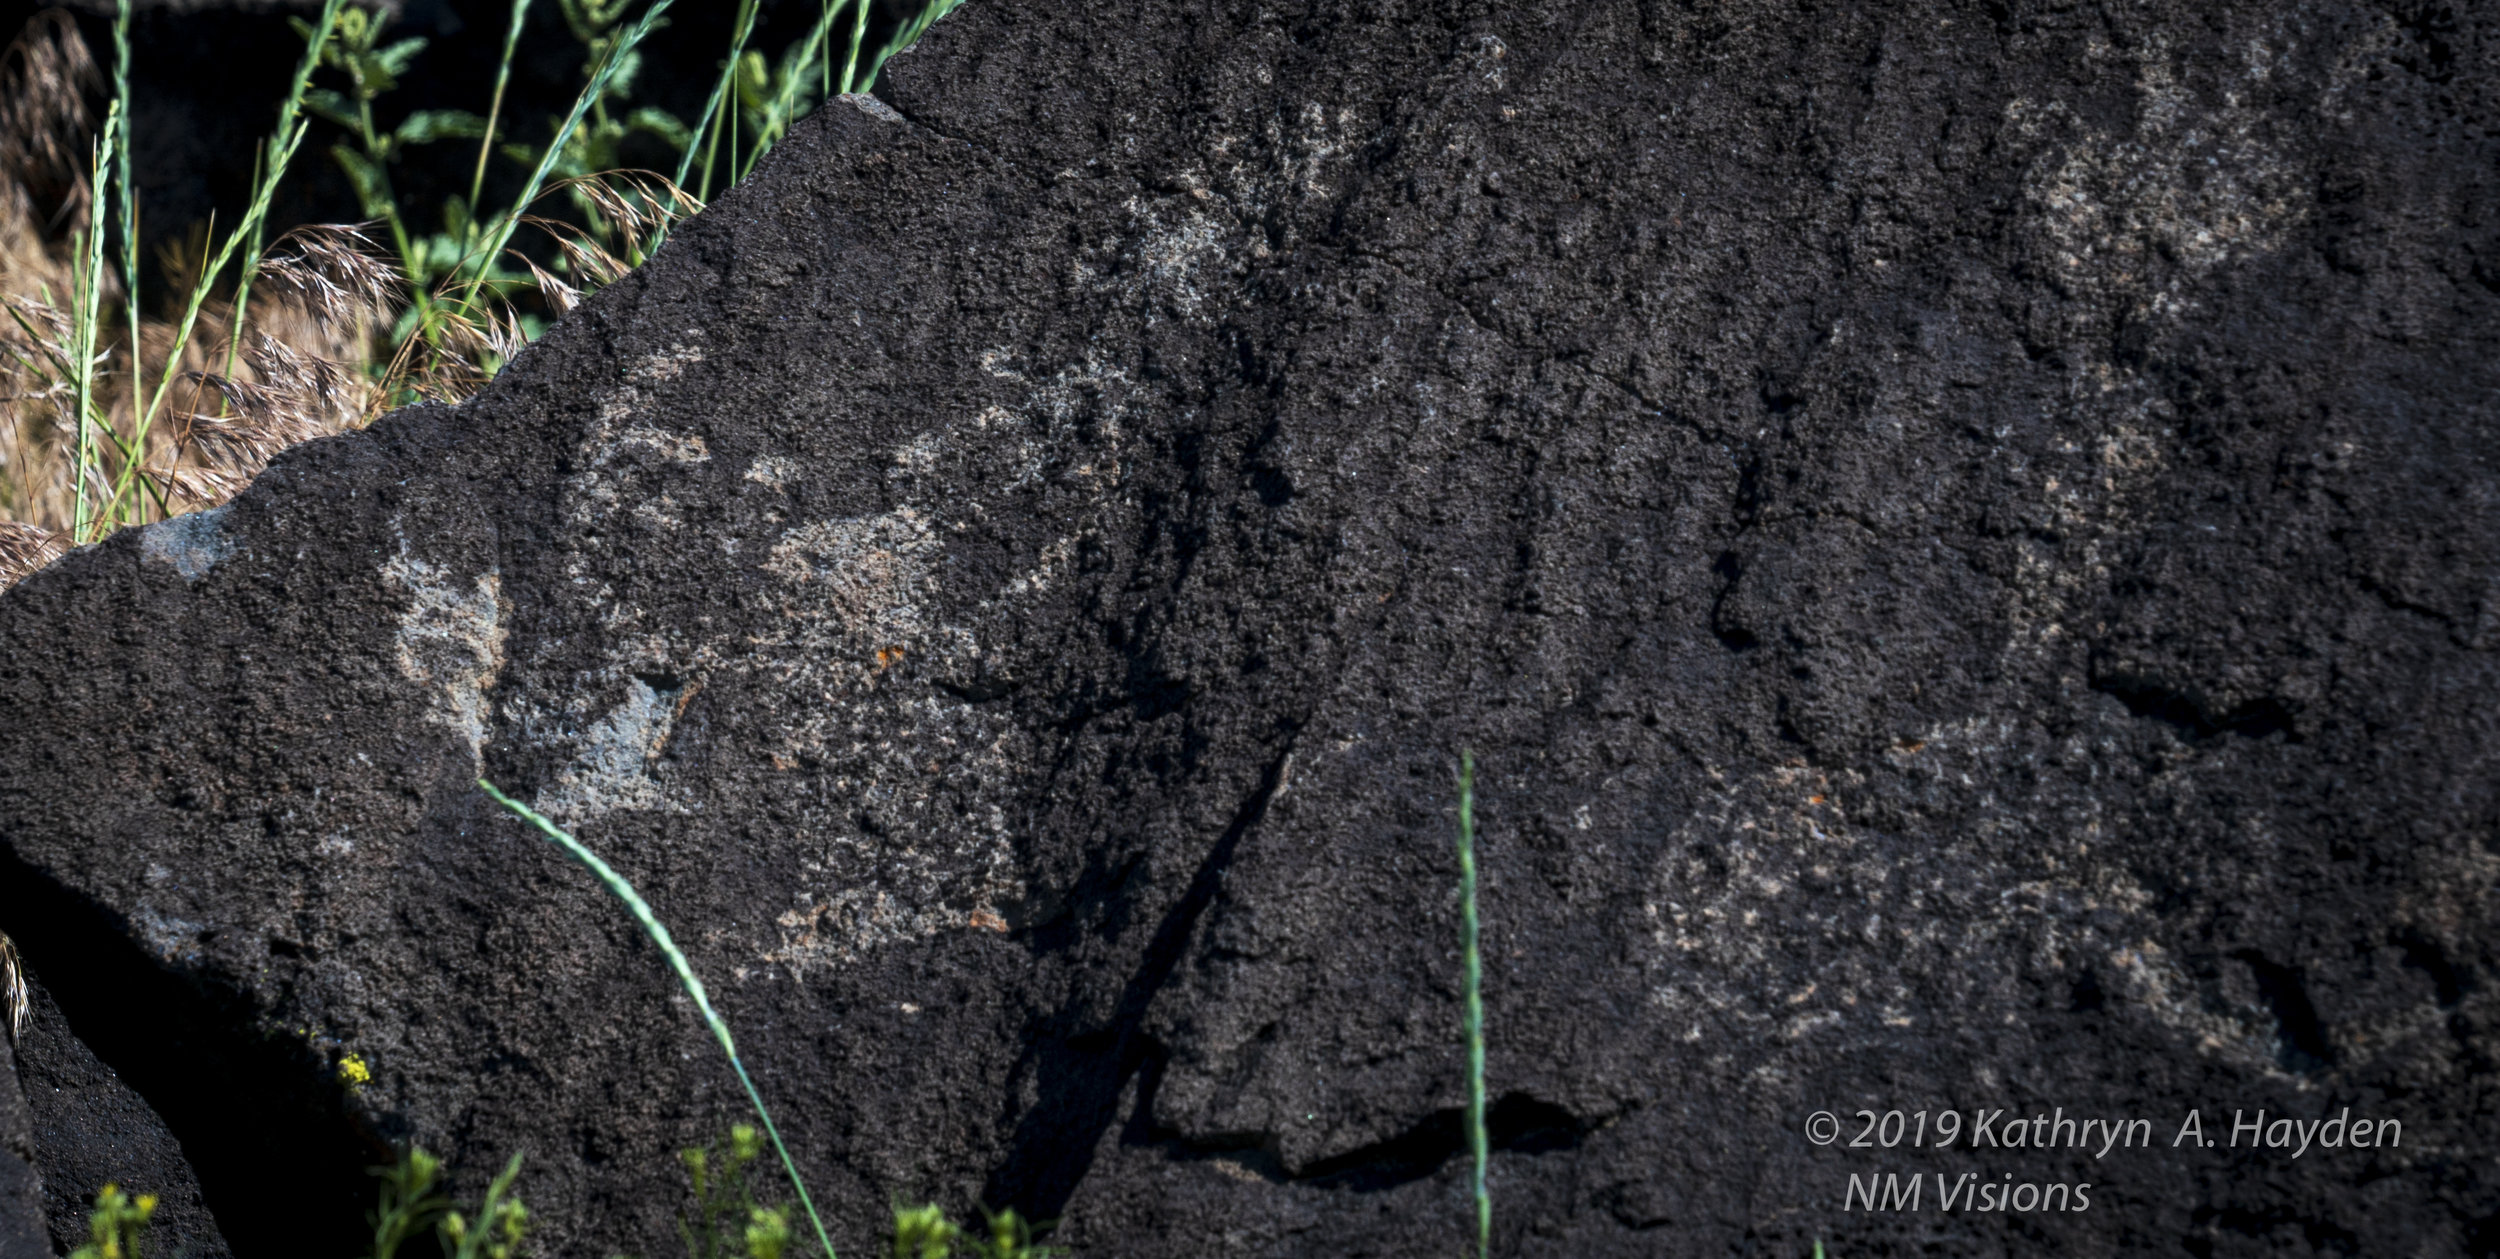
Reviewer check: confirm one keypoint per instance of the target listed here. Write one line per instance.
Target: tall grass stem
(652, 927)
(859, 33)
(1474, 963)
(494, 110)
(826, 64)
(281, 153)
(777, 117)
(592, 93)
(709, 127)
(86, 314)
(127, 203)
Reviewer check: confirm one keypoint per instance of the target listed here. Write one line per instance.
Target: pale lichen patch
(869, 575)
(666, 365)
(676, 447)
(2131, 220)
(773, 471)
(450, 640)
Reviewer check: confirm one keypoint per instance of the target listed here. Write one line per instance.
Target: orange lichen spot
(1814, 799)
(987, 920)
(888, 657)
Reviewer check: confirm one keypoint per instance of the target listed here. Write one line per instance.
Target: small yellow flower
(353, 1072)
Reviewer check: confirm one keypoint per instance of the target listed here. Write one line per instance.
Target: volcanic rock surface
(1962, 537)
(21, 1190)
(89, 1128)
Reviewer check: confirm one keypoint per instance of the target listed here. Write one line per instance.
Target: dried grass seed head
(47, 76)
(335, 271)
(23, 549)
(15, 1007)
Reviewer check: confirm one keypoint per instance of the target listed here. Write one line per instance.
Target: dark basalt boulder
(21, 1188)
(89, 1128)
(1961, 537)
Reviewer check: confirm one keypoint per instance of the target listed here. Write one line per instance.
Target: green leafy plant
(372, 67)
(275, 336)
(118, 1225)
(500, 1224)
(924, 1232)
(1472, 960)
(411, 1206)
(726, 1221)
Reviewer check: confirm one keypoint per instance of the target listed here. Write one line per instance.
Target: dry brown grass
(299, 370)
(14, 1006)
(313, 354)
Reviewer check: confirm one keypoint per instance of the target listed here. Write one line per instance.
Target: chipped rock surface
(1962, 539)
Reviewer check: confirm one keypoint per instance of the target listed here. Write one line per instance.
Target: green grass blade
(126, 204)
(86, 314)
(1474, 963)
(494, 111)
(281, 153)
(592, 92)
(710, 123)
(826, 66)
(859, 32)
(652, 927)
(777, 120)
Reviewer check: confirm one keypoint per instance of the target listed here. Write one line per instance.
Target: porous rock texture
(21, 1189)
(1962, 538)
(89, 1128)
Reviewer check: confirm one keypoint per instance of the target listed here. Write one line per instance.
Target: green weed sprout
(723, 1203)
(116, 1227)
(410, 1205)
(653, 928)
(501, 1222)
(727, 1222)
(924, 1232)
(1474, 963)
(767, 1233)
